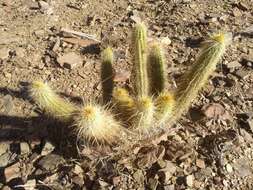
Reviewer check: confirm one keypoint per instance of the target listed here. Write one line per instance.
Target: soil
(211, 146)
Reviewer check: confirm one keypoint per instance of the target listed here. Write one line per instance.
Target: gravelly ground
(212, 148)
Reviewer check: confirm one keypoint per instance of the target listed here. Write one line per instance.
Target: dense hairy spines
(124, 104)
(50, 102)
(96, 125)
(205, 64)
(107, 74)
(139, 49)
(156, 69)
(144, 114)
(164, 105)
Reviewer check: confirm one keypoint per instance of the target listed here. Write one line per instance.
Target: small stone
(237, 12)
(190, 180)
(4, 147)
(12, 172)
(169, 187)
(20, 52)
(225, 183)
(7, 104)
(233, 64)
(7, 75)
(24, 148)
(165, 40)
(229, 168)
(45, 7)
(48, 148)
(78, 170)
(6, 187)
(70, 60)
(4, 53)
(200, 163)
(4, 159)
(50, 162)
(30, 184)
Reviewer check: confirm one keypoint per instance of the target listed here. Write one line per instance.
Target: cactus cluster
(149, 107)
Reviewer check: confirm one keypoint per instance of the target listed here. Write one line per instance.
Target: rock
(20, 52)
(4, 53)
(4, 159)
(121, 76)
(242, 168)
(77, 170)
(247, 137)
(233, 64)
(165, 40)
(237, 12)
(12, 172)
(48, 148)
(216, 111)
(139, 177)
(45, 7)
(6, 105)
(24, 148)
(30, 184)
(4, 147)
(6, 188)
(229, 168)
(50, 162)
(70, 60)
(169, 187)
(190, 180)
(200, 163)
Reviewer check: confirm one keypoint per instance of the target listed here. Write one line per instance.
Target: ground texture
(211, 147)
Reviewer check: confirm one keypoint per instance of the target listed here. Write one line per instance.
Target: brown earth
(212, 146)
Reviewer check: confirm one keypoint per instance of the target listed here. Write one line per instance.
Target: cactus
(50, 102)
(107, 74)
(164, 105)
(97, 125)
(156, 69)
(124, 104)
(139, 46)
(195, 79)
(143, 117)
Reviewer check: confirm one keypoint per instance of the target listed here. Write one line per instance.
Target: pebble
(4, 147)
(48, 148)
(20, 52)
(190, 180)
(200, 163)
(165, 40)
(229, 168)
(4, 53)
(50, 162)
(233, 64)
(45, 7)
(24, 148)
(4, 159)
(237, 12)
(70, 60)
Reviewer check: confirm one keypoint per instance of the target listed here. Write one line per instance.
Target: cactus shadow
(38, 129)
(21, 94)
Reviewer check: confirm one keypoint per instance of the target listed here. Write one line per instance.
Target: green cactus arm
(139, 46)
(156, 69)
(107, 74)
(50, 102)
(192, 81)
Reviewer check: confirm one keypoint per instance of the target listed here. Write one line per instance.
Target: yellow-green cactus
(107, 74)
(50, 102)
